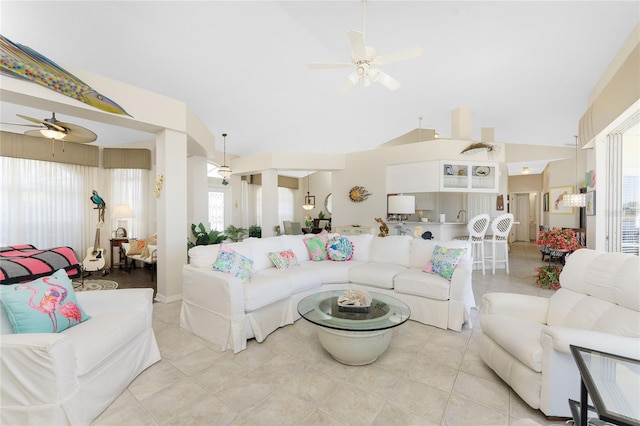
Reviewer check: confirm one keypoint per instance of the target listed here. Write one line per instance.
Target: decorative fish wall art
(22, 62)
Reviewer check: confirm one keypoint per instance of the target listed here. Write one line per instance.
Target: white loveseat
(220, 308)
(526, 339)
(72, 376)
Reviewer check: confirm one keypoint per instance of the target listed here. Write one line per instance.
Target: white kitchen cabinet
(442, 175)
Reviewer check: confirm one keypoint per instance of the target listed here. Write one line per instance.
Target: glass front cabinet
(456, 176)
(443, 176)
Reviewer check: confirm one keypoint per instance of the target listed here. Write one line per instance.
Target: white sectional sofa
(525, 339)
(70, 377)
(222, 309)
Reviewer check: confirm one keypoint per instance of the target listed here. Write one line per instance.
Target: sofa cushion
(422, 250)
(444, 261)
(361, 246)
(375, 274)
(339, 249)
(203, 256)
(393, 249)
(317, 247)
(45, 305)
(136, 247)
(415, 281)
(332, 272)
(296, 244)
(283, 259)
(266, 288)
(231, 262)
(300, 279)
(527, 348)
(260, 249)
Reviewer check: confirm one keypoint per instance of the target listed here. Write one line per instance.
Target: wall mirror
(328, 203)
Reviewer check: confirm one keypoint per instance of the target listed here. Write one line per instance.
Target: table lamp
(402, 206)
(122, 212)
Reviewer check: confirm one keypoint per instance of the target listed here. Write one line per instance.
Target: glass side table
(612, 381)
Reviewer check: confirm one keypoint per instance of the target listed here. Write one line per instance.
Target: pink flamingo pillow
(46, 305)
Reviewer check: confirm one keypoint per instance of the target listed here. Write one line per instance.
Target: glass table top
(613, 382)
(383, 313)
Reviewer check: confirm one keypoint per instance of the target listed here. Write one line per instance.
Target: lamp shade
(122, 211)
(402, 204)
(224, 171)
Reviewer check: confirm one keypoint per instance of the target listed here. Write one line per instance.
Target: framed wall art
(555, 198)
(590, 209)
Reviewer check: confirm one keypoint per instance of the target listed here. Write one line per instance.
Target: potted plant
(235, 234)
(557, 243)
(255, 231)
(203, 238)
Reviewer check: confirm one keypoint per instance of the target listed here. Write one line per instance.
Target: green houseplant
(255, 231)
(235, 234)
(203, 238)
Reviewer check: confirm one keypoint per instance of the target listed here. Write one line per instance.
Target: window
(129, 186)
(216, 211)
(286, 198)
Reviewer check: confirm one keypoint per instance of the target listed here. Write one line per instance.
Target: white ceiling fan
(363, 59)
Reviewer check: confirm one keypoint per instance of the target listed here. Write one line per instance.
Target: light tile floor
(428, 376)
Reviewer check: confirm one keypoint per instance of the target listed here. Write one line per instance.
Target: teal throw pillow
(444, 261)
(283, 259)
(340, 249)
(233, 263)
(46, 305)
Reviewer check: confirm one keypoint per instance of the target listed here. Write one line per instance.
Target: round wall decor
(482, 171)
(358, 194)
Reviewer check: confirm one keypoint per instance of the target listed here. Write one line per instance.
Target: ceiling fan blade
(21, 124)
(44, 122)
(385, 79)
(328, 65)
(352, 80)
(357, 45)
(400, 55)
(78, 134)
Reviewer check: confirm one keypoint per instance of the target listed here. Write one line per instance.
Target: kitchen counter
(442, 231)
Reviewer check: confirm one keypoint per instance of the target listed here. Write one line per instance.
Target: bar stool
(477, 228)
(500, 228)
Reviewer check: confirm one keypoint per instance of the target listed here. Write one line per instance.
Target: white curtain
(286, 201)
(47, 204)
(129, 186)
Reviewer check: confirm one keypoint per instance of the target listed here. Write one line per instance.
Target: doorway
(524, 211)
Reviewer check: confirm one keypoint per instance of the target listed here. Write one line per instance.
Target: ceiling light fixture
(577, 199)
(224, 171)
(525, 170)
(309, 200)
(52, 133)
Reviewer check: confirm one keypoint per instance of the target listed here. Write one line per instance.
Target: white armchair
(72, 376)
(526, 339)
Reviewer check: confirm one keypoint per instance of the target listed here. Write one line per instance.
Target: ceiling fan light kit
(363, 57)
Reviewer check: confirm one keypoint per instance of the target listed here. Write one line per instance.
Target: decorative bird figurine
(22, 62)
(100, 204)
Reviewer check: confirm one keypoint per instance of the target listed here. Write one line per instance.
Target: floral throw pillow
(233, 263)
(46, 305)
(340, 249)
(317, 247)
(444, 261)
(283, 259)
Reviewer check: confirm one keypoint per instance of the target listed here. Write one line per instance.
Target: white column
(171, 154)
(270, 202)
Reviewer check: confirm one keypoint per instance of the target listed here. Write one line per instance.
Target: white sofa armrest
(562, 337)
(523, 306)
(38, 378)
(102, 302)
(461, 281)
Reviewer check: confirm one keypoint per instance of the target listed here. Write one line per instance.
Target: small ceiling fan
(51, 128)
(363, 57)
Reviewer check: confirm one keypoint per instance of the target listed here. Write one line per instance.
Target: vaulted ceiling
(523, 68)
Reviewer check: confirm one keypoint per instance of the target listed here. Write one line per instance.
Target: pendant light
(224, 170)
(577, 199)
(309, 200)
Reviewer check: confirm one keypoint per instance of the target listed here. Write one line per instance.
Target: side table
(612, 381)
(117, 242)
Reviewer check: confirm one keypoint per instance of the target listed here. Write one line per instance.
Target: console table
(612, 381)
(117, 242)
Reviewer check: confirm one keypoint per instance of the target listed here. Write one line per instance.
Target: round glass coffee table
(354, 335)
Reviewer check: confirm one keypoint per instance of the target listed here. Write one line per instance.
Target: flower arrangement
(308, 221)
(548, 276)
(559, 239)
